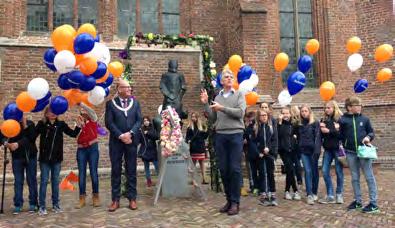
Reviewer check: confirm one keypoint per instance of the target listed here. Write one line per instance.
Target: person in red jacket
(88, 153)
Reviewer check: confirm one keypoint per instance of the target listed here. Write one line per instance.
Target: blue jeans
(311, 174)
(355, 164)
(84, 156)
(18, 168)
(147, 169)
(55, 171)
(229, 150)
(329, 156)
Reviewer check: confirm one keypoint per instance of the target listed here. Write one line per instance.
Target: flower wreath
(170, 135)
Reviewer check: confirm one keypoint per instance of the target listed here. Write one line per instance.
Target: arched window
(296, 30)
(44, 15)
(156, 16)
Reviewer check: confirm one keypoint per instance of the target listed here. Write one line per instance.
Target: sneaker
(327, 200)
(42, 211)
(57, 209)
(273, 201)
(264, 201)
(17, 210)
(255, 192)
(297, 196)
(287, 196)
(371, 208)
(32, 208)
(315, 197)
(339, 199)
(310, 200)
(354, 206)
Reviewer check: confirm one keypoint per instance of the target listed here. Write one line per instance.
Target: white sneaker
(339, 199)
(42, 211)
(297, 196)
(310, 200)
(315, 197)
(287, 196)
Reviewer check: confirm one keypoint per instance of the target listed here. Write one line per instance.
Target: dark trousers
(266, 174)
(85, 156)
(229, 149)
(287, 158)
(119, 150)
(19, 167)
(297, 166)
(254, 163)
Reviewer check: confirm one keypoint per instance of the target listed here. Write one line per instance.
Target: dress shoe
(225, 208)
(114, 206)
(234, 209)
(133, 205)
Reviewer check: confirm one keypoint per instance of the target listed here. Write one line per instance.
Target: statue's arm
(183, 86)
(163, 88)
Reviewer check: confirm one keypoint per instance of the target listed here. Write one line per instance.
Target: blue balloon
(219, 76)
(244, 73)
(42, 103)
(58, 105)
(296, 82)
(97, 39)
(361, 85)
(49, 56)
(100, 71)
(88, 84)
(63, 82)
(12, 112)
(83, 43)
(108, 82)
(107, 90)
(75, 78)
(304, 63)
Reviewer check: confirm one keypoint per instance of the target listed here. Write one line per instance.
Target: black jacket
(363, 128)
(51, 139)
(330, 140)
(249, 135)
(309, 137)
(148, 147)
(286, 142)
(196, 139)
(267, 137)
(26, 140)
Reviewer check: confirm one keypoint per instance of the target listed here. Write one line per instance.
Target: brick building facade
(255, 29)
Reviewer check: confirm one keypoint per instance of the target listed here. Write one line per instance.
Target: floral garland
(170, 134)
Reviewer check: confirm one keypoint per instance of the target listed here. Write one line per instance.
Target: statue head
(173, 65)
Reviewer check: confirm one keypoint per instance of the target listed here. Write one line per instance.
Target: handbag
(366, 151)
(341, 156)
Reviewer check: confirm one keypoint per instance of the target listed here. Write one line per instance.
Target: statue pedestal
(175, 180)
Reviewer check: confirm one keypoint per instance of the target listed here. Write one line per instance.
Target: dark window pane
(37, 15)
(171, 6)
(288, 46)
(149, 16)
(305, 25)
(126, 17)
(87, 12)
(311, 74)
(286, 5)
(287, 25)
(171, 24)
(304, 6)
(62, 12)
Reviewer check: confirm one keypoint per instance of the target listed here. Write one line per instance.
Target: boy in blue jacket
(356, 130)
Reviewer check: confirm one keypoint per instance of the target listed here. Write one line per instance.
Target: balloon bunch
(83, 64)
(297, 80)
(247, 79)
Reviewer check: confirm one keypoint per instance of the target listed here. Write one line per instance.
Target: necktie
(125, 103)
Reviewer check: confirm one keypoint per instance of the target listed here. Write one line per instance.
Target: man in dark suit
(123, 119)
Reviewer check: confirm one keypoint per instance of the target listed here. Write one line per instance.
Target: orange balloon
(10, 128)
(88, 66)
(79, 58)
(87, 28)
(73, 96)
(84, 99)
(281, 61)
(25, 103)
(234, 63)
(327, 90)
(115, 68)
(104, 78)
(353, 44)
(383, 53)
(66, 185)
(251, 98)
(312, 46)
(235, 85)
(384, 75)
(63, 38)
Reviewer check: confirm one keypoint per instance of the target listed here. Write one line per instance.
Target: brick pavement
(195, 213)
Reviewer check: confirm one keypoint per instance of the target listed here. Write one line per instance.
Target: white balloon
(254, 80)
(101, 52)
(64, 61)
(96, 96)
(38, 88)
(284, 98)
(354, 62)
(246, 86)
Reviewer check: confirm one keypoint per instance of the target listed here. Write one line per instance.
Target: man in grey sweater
(227, 111)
